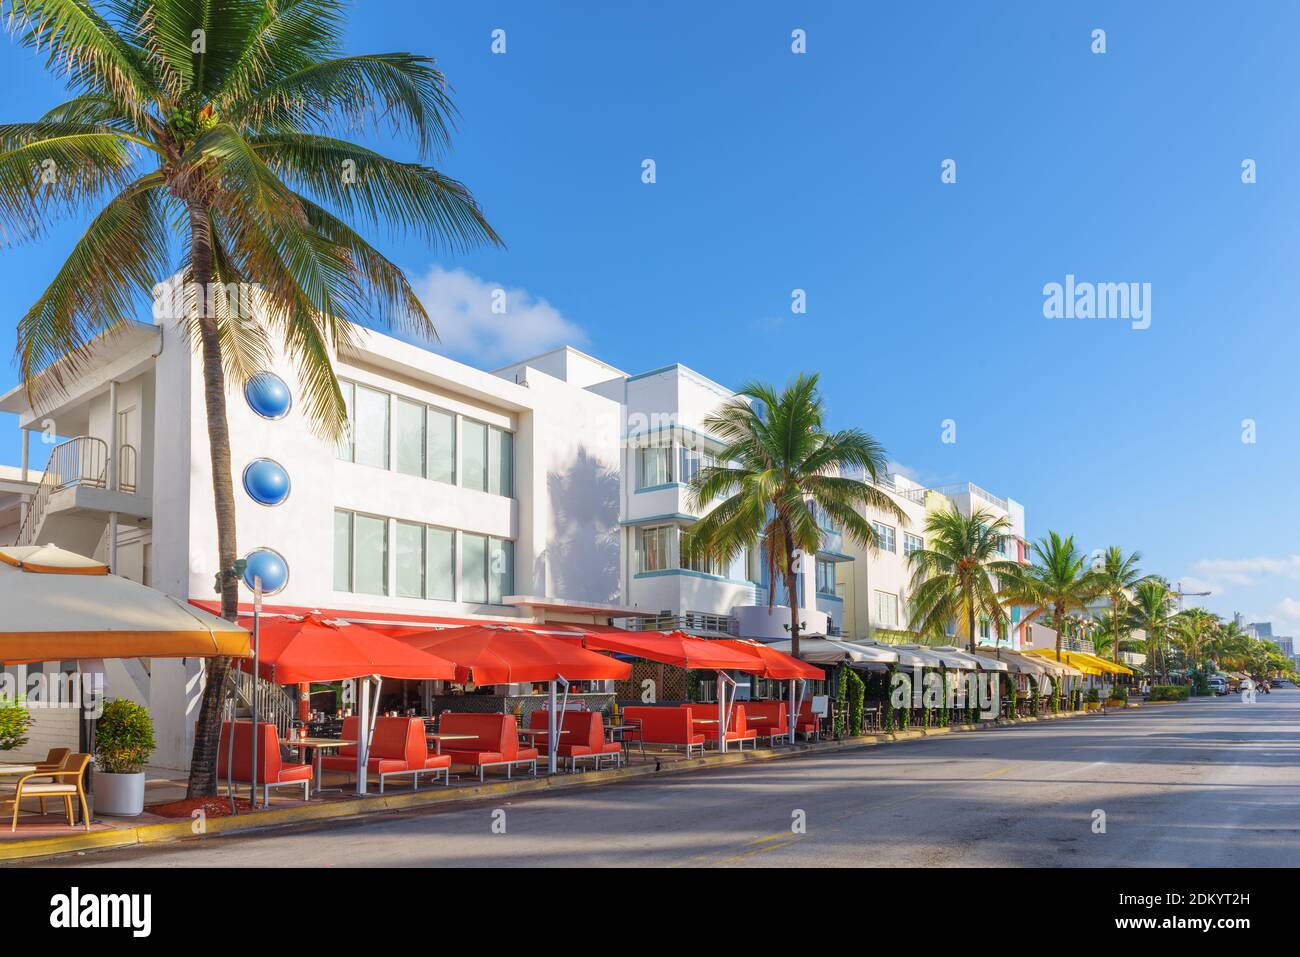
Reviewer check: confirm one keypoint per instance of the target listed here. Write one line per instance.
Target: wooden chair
(66, 782)
(54, 759)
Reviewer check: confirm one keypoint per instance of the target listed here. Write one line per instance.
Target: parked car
(1219, 684)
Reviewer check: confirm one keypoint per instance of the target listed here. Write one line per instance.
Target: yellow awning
(1106, 665)
(58, 606)
(1072, 658)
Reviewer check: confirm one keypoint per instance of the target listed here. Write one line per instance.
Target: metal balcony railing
(79, 461)
(691, 621)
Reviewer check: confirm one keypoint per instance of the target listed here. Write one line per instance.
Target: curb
(171, 831)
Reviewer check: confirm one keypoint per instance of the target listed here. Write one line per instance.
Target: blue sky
(821, 172)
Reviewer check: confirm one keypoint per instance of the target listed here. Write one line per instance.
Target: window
(690, 461)
(487, 568)
(474, 458)
(370, 428)
(884, 536)
(473, 562)
(408, 421)
(984, 628)
(825, 578)
(360, 553)
(654, 466)
(652, 545)
(342, 551)
(440, 453)
(886, 609)
(501, 569)
(347, 450)
(912, 543)
(698, 563)
(501, 462)
(410, 560)
(439, 563)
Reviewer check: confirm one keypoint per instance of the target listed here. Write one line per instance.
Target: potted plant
(15, 719)
(1118, 697)
(1092, 702)
(123, 743)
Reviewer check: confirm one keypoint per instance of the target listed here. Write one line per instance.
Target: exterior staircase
(73, 501)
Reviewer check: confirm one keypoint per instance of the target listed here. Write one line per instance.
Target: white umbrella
(826, 651)
(59, 605)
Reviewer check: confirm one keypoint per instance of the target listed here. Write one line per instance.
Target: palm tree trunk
(791, 580)
(1114, 614)
(203, 762)
(970, 623)
(1056, 614)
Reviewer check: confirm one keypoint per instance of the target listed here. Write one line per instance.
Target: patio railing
(691, 621)
(82, 460)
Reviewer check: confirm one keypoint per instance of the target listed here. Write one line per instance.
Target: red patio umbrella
(494, 655)
(779, 665)
(680, 649)
(776, 664)
(676, 648)
(311, 648)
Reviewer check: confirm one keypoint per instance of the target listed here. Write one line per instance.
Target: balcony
(75, 496)
(692, 622)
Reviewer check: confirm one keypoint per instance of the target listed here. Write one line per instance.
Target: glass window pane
(655, 467)
(474, 455)
(342, 551)
(372, 428)
(410, 560)
(501, 570)
(440, 564)
(473, 568)
(442, 446)
(408, 419)
(370, 556)
(345, 449)
(501, 462)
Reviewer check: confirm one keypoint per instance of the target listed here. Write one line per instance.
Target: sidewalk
(49, 836)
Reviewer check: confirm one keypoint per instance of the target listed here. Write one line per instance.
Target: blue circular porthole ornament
(266, 482)
(270, 566)
(268, 396)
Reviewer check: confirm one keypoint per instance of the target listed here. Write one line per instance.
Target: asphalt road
(1210, 783)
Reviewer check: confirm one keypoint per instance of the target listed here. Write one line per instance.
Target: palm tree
(214, 133)
(1056, 584)
(1107, 629)
(1118, 575)
(780, 463)
(957, 574)
(1229, 646)
(1150, 611)
(1193, 628)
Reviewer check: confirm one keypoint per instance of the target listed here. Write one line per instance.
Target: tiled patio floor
(166, 786)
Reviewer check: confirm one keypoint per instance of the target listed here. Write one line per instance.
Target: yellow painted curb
(435, 795)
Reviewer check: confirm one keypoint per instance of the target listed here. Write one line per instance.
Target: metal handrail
(82, 460)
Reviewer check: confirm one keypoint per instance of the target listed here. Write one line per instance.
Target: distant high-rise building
(1260, 629)
(1286, 643)
(1239, 619)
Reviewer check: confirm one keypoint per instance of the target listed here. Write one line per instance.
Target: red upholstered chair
(494, 740)
(771, 719)
(738, 732)
(808, 724)
(667, 727)
(272, 772)
(604, 748)
(576, 745)
(397, 747)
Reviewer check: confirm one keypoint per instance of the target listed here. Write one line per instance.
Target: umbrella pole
(552, 726)
(363, 736)
(257, 614)
(791, 716)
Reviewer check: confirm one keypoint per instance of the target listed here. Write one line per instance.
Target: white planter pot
(119, 795)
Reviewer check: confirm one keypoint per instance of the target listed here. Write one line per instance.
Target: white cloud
(488, 321)
(1248, 571)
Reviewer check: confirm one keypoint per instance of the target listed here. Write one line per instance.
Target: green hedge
(1168, 693)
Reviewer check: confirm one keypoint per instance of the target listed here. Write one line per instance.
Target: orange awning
(677, 648)
(492, 655)
(303, 650)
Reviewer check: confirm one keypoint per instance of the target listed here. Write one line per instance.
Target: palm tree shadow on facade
(581, 558)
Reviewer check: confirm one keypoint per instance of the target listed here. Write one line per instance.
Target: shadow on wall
(581, 559)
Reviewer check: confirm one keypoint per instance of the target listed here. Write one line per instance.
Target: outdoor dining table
(317, 745)
(619, 733)
(437, 739)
